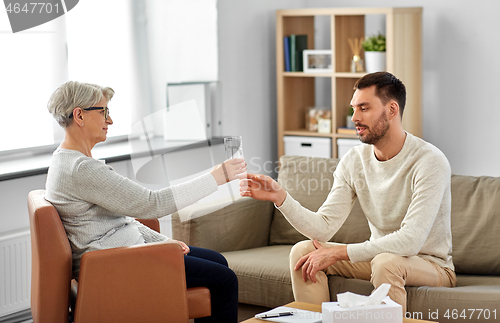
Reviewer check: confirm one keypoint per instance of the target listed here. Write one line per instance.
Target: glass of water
(233, 146)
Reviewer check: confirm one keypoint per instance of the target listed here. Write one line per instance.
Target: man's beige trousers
(384, 268)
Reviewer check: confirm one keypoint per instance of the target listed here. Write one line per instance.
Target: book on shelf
(297, 45)
(346, 131)
(286, 46)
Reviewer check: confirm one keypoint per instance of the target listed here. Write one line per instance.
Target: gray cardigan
(97, 205)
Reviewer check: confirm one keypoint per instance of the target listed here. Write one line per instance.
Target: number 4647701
(32, 7)
(470, 314)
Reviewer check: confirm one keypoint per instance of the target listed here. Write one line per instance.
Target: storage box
(308, 146)
(387, 312)
(344, 145)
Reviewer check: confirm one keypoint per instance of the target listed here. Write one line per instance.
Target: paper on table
(349, 299)
(300, 316)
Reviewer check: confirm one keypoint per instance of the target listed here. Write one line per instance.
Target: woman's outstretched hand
(262, 187)
(229, 170)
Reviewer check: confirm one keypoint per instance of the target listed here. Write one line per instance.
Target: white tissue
(349, 299)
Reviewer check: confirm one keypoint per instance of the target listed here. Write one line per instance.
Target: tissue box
(387, 312)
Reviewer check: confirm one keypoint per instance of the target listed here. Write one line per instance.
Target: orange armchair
(143, 283)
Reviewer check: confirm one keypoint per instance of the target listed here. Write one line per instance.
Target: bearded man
(403, 186)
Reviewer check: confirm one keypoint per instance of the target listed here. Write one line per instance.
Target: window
(101, 51)
(92, 43)
(32, 64)
(135, 46)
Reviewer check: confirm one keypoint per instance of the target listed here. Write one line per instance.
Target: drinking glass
(233, 146)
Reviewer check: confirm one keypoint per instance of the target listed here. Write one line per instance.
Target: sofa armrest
(243, 224)
(116, 285)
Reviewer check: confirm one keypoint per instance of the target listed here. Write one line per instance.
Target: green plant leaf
(375, 43)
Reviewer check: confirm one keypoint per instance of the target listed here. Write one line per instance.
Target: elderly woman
(97, 205)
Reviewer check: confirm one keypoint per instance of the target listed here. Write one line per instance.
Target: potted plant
(374, 47)
(349, 123)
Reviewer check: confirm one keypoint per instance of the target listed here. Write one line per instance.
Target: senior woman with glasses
(97, 205)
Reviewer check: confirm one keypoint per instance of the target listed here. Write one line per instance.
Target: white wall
(247, 71)
(459, 77)
(14, 201)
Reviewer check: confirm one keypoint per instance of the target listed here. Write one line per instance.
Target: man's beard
(372, 136)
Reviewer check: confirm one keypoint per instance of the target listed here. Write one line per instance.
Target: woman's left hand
(185, 247)
(229, 170)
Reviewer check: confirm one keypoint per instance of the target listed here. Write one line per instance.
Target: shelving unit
(296, 90)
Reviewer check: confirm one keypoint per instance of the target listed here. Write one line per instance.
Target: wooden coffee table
(317, 308)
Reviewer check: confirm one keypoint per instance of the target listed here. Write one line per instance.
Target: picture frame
(317, 61)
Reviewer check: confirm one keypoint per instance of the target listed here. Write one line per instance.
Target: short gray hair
(71, 95)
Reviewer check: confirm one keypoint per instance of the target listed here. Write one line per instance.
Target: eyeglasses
(106, 111)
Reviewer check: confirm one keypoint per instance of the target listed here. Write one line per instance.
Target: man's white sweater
(407, 201)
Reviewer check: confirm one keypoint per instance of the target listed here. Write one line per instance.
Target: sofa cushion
(338, 285)
(309, 180)
(243, 224)
(481, 293)
(475, 219)
(263, 275)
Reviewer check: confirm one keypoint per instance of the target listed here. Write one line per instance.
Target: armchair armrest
(244, 224)
(153, 224)
(133, 284)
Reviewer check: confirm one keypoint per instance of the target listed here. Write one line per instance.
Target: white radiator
(15, 272)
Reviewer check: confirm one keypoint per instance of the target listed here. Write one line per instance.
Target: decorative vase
(375, 62)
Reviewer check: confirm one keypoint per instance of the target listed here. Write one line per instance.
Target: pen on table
(266, 316)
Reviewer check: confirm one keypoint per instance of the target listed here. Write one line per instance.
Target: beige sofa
(256, 240)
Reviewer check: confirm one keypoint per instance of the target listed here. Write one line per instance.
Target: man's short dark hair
(387, 87)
